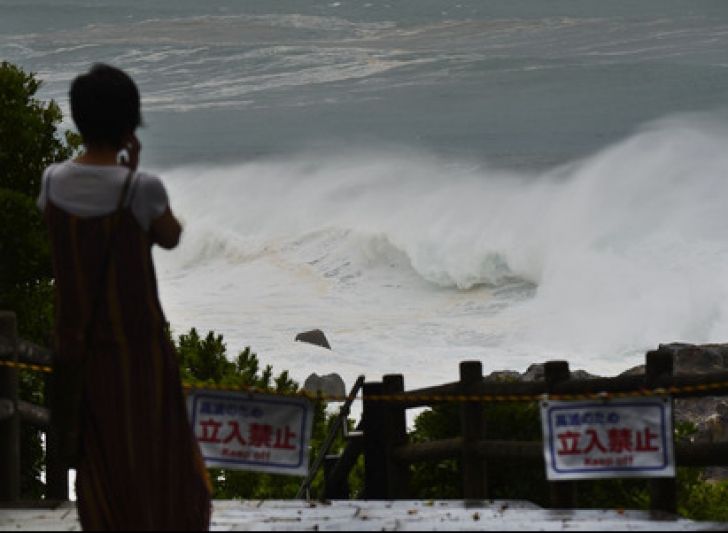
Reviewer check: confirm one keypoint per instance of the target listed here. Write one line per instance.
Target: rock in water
(329, 385)
(314, 336)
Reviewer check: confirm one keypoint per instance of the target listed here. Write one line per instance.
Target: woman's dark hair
(105, 105)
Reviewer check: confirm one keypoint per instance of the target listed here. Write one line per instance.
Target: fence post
(375, 438)
(663, 491)
(10, 424)
(563, 493)
(475, 479)
(340, 491)
(395, 428)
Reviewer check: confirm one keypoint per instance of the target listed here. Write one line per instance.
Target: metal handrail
(339, 423)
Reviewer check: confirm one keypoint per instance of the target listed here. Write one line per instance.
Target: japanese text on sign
(626, 437)
(266, 433)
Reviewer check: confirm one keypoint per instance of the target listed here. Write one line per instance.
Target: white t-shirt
(94, 190)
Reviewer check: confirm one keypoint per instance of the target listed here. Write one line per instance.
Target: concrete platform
(370, 515)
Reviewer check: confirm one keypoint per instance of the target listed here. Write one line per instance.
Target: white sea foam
(407, 272)
(304, 211)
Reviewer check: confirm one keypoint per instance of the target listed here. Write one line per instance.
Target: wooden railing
(388, 452)
(17, 354)
(382, 435)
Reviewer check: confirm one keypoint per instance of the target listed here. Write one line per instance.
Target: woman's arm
(166, 230)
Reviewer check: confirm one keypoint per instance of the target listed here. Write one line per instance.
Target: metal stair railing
(304, 492)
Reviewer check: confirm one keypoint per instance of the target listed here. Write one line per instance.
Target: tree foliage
(505, 479)
(29, 141)
(204, 363)
(696, 498)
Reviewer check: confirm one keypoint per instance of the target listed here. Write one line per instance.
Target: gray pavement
(388, 515)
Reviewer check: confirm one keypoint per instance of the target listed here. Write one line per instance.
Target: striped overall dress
(140, 466)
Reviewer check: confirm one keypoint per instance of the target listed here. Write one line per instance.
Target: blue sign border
(660, 404)
(261, 399)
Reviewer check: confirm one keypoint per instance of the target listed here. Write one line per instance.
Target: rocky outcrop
(328, 385)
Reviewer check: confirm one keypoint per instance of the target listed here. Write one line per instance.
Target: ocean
(426, 181)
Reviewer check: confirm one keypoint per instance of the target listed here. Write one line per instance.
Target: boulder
(314, 336)
(328, 385)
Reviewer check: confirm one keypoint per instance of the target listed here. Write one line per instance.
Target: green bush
(505, 479)
(29, 141)
(204, 363)
(511, 479)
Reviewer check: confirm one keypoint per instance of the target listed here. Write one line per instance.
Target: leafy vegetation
(28, 143)
(506, 479)
(204, 363)
(697, 499)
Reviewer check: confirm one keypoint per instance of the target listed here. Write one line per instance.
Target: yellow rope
(435, 398)
(25, 366)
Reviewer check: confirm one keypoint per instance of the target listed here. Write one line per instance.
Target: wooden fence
(17, 354)
(388, 451)
(382, 432)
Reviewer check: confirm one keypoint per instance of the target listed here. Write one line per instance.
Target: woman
(139, 466)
